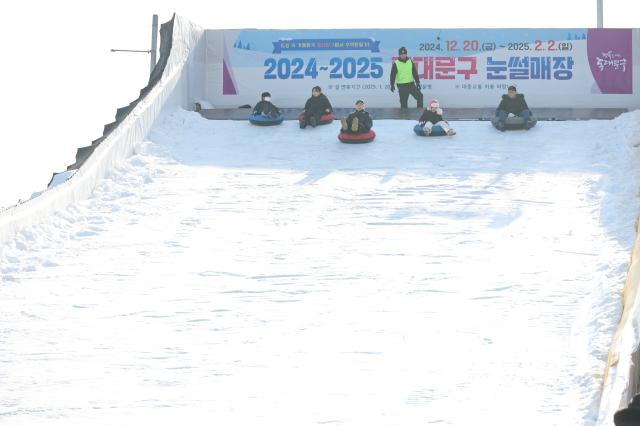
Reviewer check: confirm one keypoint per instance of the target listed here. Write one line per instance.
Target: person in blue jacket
(265, 107)
(513, 105)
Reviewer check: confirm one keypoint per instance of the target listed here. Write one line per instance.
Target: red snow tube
(357, 137)
(324, 119)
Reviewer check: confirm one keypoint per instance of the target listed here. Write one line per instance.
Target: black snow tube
(513, 123)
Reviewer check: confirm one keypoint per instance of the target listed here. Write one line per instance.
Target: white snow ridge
(235, 275)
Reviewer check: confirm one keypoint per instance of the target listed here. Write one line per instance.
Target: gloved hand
(393, 88)
(418, 85)
(511, 115)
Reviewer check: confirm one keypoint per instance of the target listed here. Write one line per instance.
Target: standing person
(265, 107)
(404, 74)
(513, 104)
(359, 121)
(317, 106)
(433, 117)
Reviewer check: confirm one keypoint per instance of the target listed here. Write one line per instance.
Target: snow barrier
(622, 375)
(452, 114)
(182, 52)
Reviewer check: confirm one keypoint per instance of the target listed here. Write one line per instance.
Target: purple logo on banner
(611, 59)
(326, 44)
(228, 84)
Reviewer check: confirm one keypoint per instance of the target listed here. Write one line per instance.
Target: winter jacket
(365, 123)
(266, 108)
(318, 104)
(394, 72)
(513, 106)
(433, 117)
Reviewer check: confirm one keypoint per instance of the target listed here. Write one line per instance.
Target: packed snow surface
(229, 274)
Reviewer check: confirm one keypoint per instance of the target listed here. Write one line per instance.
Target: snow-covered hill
(235, 275)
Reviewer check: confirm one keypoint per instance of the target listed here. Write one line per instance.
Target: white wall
(180, 75)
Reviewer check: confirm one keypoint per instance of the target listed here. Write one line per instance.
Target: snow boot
(343, 122)
(354, 125)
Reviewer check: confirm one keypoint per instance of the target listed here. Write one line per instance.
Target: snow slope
(229, 274)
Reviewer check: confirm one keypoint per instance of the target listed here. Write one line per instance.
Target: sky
(60, 83)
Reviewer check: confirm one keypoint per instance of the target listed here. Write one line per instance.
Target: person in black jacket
(433, 117)
(513, 104)
(265, 107)
(404, 74)
(359, 121)
(317, 105)
(629, 416)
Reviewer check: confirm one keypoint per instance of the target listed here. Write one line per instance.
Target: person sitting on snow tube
(317, 106)
(431, 121)
(513, 105)
(358, 122)
(356, 127)
(265, 107)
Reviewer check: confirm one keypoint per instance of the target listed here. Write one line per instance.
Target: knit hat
(359, 101)
(511, 89)
(434, 103)
(402, 50)
(265, 94)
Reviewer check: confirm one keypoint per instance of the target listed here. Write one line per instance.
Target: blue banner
(326, 45)
(460, 67)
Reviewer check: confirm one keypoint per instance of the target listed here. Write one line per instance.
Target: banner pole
(600, 7)
(154, 42)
